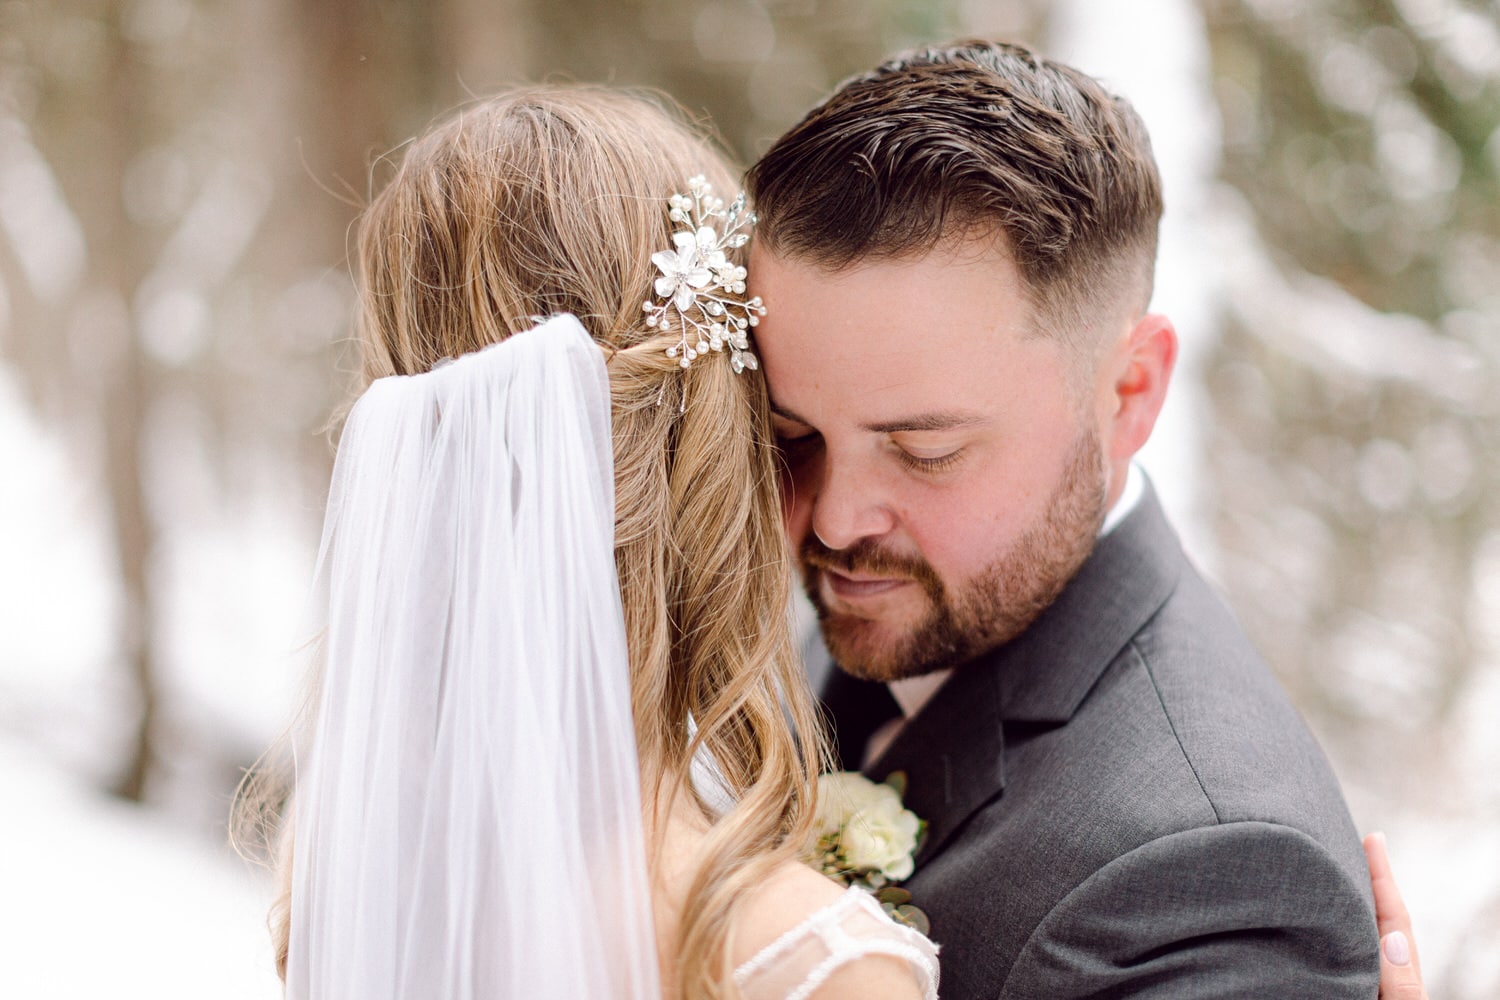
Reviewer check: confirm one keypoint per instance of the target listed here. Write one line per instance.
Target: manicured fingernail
(1397, 949)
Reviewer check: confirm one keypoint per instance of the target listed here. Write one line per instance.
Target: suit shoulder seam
(1145, 661)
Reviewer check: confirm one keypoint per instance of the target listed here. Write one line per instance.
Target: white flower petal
(901, 869)
(685, 297)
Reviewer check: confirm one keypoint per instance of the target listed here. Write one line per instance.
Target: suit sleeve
(1236, 910)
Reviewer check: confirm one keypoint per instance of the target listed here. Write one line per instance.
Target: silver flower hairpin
(700, 284)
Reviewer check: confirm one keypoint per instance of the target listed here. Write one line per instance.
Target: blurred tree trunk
(119, 251)
(135, 539)
(372, 72)
(93, 117)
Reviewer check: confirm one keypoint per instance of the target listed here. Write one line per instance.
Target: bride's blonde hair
(553, 199)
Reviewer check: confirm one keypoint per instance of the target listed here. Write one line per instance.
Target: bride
(524, 656)
(558, 742)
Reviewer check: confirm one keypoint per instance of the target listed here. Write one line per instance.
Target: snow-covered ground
(105, 899)
(100, 898)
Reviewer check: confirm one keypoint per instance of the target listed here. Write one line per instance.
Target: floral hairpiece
(700, 284)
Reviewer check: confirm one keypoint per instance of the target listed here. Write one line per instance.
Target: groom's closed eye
(928, 451)
(789, 430)
(929, 463)
(798, 447)
(796, 441)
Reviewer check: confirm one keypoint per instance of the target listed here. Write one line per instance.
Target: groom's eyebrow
(936, 420)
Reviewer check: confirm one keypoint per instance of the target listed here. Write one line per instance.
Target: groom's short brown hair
(979, 137)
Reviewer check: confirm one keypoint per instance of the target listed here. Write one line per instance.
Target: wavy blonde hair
(553, 199)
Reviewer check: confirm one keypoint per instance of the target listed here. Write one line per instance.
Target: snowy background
(175, 182)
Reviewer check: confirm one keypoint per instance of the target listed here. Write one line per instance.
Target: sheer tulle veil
(468, 815)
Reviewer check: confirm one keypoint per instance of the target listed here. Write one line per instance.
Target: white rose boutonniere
(864, 836)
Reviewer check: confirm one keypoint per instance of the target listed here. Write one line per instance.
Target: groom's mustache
(867, 557)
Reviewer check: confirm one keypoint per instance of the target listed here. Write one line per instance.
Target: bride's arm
(801, 935)
(879, 976)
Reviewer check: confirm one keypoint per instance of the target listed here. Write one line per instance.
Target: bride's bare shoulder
(785, 901)
(780, 903)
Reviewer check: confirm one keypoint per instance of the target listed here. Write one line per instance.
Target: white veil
(468, 815)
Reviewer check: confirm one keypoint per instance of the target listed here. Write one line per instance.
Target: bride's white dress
(794, 965)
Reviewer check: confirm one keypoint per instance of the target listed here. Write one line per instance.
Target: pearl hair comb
(700, 287)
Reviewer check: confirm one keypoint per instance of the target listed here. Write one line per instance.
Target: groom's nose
(847, 505)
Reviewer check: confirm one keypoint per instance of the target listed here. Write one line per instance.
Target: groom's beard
(991, 609)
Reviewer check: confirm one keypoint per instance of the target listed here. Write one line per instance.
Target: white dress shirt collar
(1130, 498)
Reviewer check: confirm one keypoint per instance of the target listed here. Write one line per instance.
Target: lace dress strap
(854, 926)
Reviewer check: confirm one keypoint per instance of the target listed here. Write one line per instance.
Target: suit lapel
(953, 751)
(1048, 670)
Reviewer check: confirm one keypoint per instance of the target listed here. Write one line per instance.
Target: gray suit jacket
(1121, 802)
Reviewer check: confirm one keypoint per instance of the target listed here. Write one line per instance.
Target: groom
(1120, 800)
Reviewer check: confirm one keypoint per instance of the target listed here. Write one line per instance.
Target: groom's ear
(1140, 369)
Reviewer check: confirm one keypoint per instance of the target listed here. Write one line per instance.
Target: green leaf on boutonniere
(912, 917)
(896, 902)
(897, 780)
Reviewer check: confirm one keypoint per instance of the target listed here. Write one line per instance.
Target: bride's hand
(1400, 970)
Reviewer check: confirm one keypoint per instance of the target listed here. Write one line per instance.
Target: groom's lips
(848, 587)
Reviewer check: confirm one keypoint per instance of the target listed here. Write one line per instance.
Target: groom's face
(944, 472)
